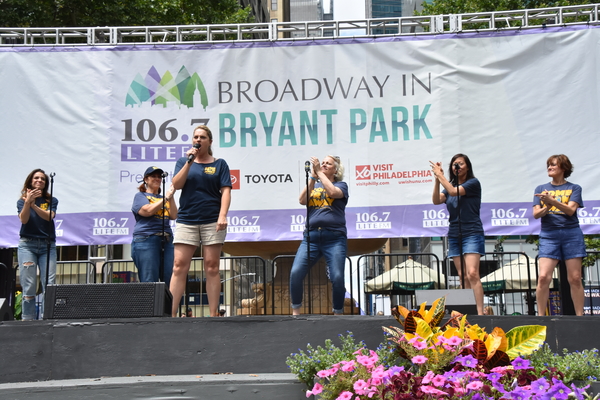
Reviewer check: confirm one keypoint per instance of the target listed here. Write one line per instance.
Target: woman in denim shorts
(561, 238)
(36, 211)
(465, 234)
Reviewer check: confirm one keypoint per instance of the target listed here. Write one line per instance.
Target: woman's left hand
(222, 224)
(545, 197)
(170, 192)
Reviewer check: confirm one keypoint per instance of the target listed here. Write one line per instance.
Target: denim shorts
(474, 244)
(562, 244)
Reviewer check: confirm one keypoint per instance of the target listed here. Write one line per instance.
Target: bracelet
(313, 178)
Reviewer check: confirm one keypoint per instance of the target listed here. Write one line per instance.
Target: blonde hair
(339, 168)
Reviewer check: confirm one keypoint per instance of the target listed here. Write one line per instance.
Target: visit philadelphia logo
(167, 90)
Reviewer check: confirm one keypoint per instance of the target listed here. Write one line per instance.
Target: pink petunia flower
(454, 341)
(345, 395)
(348, 366)
(475, 385)
(431, 390)
(324, 373)
(379, 372)
(428, 377)
(419, 359)
(318, 388)
(360, 386)
(438, 380)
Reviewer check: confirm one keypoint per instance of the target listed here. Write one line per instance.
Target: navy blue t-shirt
(146, 226)
(325, 211)
(556, 219)
(470, 205)
(200, 201)
(37, 227)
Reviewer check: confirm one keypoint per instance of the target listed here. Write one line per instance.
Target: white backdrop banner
(99, 116)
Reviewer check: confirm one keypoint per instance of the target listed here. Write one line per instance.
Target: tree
(80, 13)
(438, 7)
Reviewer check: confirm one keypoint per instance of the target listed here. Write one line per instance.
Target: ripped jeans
(32, 253)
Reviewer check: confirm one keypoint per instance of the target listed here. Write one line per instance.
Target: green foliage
(306, 364)
(18, 306)
(77, 13)
(575, 366)
(523, 340)
(438, 7)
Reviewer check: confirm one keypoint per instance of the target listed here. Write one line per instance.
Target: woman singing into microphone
(202, 219)
(465, 235)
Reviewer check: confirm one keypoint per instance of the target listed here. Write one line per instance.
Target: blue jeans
(33, 254)
(145, 252)
(333, 245)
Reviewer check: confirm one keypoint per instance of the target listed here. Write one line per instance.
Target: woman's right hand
(32, 194)
(436, 167)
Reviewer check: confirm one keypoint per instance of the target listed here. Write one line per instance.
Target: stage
(175, 357)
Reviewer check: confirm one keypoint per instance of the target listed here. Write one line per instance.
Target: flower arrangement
(421, 360)
(363, 378)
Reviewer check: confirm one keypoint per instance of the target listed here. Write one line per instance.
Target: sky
(348, 9)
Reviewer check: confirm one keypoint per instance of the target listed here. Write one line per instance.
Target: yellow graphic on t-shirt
(210, 170)
(44, 206)
(319, 198)
(161, 212)
(562, 196)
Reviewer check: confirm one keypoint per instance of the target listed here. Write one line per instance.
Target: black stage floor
(245, 346)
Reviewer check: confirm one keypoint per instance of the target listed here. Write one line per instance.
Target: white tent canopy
(407, 276)
(513, 275)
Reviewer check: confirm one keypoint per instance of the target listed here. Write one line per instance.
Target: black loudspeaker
(6, 312)
(461, 300)
(107, 300)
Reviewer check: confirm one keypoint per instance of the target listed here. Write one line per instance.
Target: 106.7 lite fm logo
(149, 140)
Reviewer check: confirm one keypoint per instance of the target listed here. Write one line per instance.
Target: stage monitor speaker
(107, 300)
(6, 312)
(461, 300)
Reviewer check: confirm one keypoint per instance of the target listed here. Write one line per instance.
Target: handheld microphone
(191, 156)
(307, 166)
(456, 166)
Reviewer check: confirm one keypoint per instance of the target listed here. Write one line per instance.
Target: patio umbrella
(407, 276)
(513, 275)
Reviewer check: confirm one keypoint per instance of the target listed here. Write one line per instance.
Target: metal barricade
(242, 278)
(119, 271)
(243, 283)
(317, 298)
(591, 284)
(68, 272)
(509, 280)
(399, 275)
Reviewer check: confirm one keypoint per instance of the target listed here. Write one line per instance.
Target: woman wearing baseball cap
(152, 230)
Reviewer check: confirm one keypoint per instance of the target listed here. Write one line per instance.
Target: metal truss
(298, 31)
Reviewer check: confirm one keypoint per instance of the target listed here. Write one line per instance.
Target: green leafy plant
(18, 306)
(306, 363)
(420, 335)
(575, 366)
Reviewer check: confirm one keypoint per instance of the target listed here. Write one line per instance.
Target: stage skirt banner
(98, 116)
